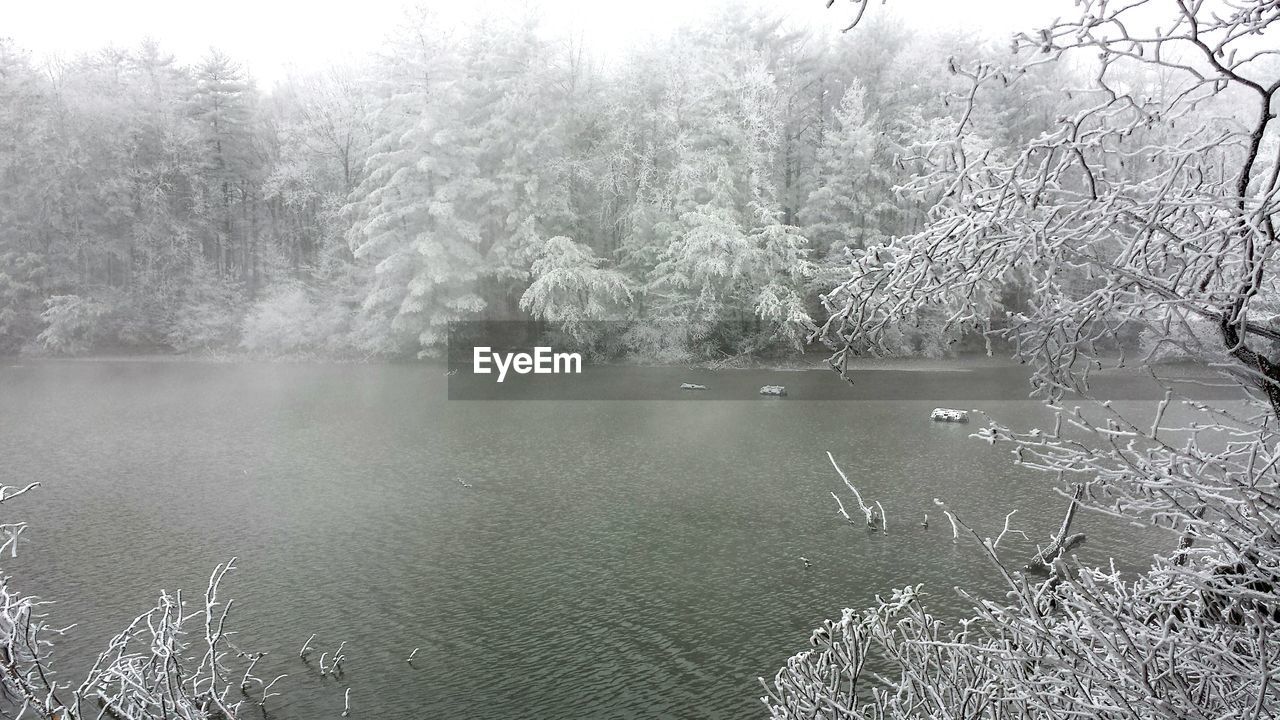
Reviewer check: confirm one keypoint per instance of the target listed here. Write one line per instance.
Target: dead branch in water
(873, 517)
(1062, 542)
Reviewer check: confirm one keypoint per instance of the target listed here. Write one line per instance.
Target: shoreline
(802, 363)
(809, 362)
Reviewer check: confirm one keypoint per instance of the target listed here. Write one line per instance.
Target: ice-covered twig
(840, 507)
(8, 492)
(1007, 530)
(955, 530)
(867, 510)
(266, 690)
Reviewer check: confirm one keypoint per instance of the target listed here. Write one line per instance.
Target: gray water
(611, 559)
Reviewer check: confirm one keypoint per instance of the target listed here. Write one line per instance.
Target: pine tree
(852, 206)
(222, 105)
(462, 187)
(571, 289)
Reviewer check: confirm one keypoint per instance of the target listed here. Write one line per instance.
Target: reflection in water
(548, 559)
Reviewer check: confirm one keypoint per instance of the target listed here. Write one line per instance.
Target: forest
(1102, 183)
(700, 194)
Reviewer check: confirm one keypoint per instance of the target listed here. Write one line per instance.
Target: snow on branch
(1140, 227)
(874, 515)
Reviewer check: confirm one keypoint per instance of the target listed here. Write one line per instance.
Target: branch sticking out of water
(873, 519)
(306, 647)
(1063, 542)
(1007, 530)
(955, 529)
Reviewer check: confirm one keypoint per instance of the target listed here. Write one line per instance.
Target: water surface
(611, 559)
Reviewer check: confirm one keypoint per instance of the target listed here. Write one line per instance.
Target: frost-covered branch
(1138, 228)
(874, 517)
(170, 662)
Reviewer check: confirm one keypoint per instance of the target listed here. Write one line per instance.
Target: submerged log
(1062, 542)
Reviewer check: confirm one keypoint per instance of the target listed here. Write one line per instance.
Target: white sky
(270, 36)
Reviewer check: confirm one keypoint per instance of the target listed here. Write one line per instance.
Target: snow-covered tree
(852, 205)
(223, 108)
(1115, 230)
(462, 188)
(721, 279)
(572, 290)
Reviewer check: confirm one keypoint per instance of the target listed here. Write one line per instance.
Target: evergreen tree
(571, 289)
(852, 206)
(458, 198)
(222, 105)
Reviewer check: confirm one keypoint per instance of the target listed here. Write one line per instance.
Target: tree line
(693, 199)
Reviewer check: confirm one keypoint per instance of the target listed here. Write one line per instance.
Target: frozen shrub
(289, 321)
(72, 324)
(207, 318)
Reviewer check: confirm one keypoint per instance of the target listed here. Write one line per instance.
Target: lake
(610, 559)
